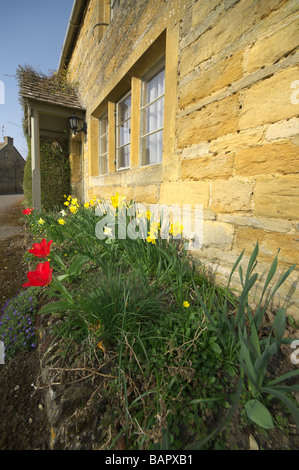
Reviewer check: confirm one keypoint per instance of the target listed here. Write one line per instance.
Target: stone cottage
(194, 102)
(11, 168)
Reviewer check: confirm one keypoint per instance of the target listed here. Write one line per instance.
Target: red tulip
(42, 249)
(42, 276)
(27, 211)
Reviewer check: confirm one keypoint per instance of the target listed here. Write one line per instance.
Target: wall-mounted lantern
(74, 125)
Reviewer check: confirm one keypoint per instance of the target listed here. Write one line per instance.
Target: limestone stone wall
(231, 126)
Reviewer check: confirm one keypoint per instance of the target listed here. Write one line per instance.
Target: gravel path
(9, 226)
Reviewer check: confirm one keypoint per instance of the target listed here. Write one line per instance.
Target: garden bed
(128, 358)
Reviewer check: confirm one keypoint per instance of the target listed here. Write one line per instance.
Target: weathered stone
(277, 197)
(279, 157)
(201, 11)
(283, 129)
(240, 140)
(208, 123)
(196, 150)
(231, 26)
(230, 196)
(268, 50)
(269, 101)
(219, 76)
(185, 192)
(208, 167)
(265, 223)
(269, 244)
(148, 194)
(217, 234)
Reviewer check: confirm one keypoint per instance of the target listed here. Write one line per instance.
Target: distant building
(11, 168)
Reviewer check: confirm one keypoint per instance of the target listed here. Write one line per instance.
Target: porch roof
(49, 90)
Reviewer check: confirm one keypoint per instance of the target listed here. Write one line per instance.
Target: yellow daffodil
(118, 201)
(86, 205)
(186, 304)
(74, 201)
(41, 221)
(69, 198)
(66, 203)
(176, 229)
(146, 214)
(61, 221)
(151, 240)
(154, 228)
(73, 209)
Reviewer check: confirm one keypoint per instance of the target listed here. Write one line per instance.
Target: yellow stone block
(269, 100)
(269, 244)
(208, 167)
(268, 50)
(277, 197)
(147, 194)
(231, 26)
(184, 192)
(201, 9)
(210, 122)
(217, 234)
(279, 157)
(238, 141)
(219, 76)
(230, 196)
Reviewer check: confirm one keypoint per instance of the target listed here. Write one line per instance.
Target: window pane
(155, 87)
(153, 116)
(103, 145)
(152, 148)
(124, 132)
(103, 126)
(124, 157)
(124, 110)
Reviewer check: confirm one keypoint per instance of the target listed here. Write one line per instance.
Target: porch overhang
(47, 110)
(51, 121)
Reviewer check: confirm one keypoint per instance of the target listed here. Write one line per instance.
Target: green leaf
(216, 348)
(286, 376)
(55, 306)
(221, 426)
(279, 324)
(288, 403)
(77, 265)
(252, 260)
(59, 261)
(260, 312)
(259, 414)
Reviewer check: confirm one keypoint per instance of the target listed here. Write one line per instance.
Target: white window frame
(103, 154)
(117, 125)
(144, 105)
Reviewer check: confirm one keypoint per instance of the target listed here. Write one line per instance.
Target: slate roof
(50, 90)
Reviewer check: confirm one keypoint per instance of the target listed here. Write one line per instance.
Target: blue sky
(32, 32)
